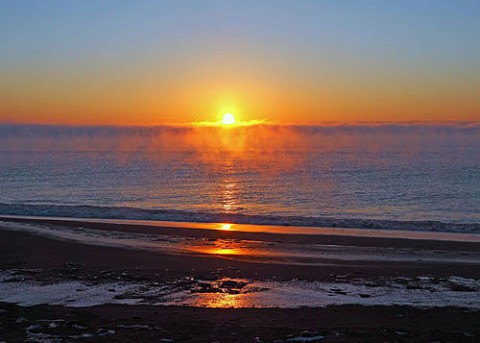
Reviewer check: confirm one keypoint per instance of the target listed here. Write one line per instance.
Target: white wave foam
(209, 217)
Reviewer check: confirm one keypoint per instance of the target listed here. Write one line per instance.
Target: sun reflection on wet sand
(225, 293)
(225, 227)
(223, 248)
(231, 248)
(221, 300)
(224, 251)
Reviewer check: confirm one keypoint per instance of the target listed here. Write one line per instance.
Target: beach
(74, 279)
(239, 171)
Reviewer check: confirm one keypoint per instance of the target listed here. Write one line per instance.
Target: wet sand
(229, 265)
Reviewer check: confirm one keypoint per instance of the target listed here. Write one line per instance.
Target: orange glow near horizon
(251, 99)
(254, 94)
(204, 103)
(144, 108)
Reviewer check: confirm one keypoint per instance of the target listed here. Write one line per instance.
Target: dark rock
(233, 284)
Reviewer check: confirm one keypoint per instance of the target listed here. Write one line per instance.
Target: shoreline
(231, 285)
(149, 225)
(284, 256)
(427, 224)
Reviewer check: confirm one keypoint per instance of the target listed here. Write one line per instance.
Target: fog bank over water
(18, 137)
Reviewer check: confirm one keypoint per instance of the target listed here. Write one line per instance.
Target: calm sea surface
(402, 183)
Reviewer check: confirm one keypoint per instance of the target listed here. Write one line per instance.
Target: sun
(228, 119)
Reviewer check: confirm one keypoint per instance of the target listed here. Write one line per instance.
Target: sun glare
(228, 119)
(225, 227)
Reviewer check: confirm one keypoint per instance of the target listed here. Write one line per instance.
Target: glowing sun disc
(228, 119)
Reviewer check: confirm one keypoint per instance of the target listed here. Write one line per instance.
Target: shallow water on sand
(20, 287)
(273, 248)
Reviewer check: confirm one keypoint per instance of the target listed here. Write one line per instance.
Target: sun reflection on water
(229, 195)
(229, 188)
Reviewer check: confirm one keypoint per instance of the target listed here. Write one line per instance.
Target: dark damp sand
(140, 323)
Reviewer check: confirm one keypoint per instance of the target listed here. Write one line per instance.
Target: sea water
(318, 178)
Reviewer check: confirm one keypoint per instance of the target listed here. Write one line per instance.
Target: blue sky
(319, 45)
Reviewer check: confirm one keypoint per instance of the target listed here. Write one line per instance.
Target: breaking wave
(132, 213)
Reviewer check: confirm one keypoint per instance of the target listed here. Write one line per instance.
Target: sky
(303, 62)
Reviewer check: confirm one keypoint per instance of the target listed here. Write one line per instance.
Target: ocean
(424, 177)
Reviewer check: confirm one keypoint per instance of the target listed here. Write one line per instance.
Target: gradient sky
(153, 62)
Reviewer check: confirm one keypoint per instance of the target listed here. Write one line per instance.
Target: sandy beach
(71, 279)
